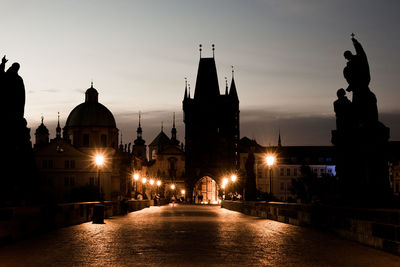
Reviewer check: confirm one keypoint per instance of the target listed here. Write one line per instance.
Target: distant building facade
(287, 166)
(67, 163)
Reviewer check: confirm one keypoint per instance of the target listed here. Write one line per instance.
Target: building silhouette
(211, 126)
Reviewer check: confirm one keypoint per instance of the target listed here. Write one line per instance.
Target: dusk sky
(287, 55)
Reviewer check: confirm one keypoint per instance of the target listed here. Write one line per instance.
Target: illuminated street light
(225, 181)
(151, 181)
(99, 160)
(183, 191)
(172, 186)
(270, 159)
(158, 183)
(144, 180)
(233, 178)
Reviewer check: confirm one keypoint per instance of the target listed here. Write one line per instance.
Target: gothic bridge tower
(211, 126)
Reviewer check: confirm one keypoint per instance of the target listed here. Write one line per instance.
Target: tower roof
(207, 80)
(161, 140)
(233, 91)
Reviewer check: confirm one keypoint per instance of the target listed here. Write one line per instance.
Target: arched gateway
(206, 191)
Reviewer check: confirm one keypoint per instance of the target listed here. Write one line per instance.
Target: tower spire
(189, 89)
(226, 86)
(185, 96)
(200, 49)
(162, 126)
(139, 129)
(279, 139)
(213, 49)
(58, 129)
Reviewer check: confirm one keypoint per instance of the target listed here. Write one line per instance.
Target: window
(295, 172)
(281, 172)
(44, 164)
(66, 164)
(282, 186)
(85, 140)
(72, 164)
(288, 172)
(104, 140)
(50, 163)
(66, 181)
(72, 181)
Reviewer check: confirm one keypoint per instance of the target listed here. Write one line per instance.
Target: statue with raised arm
(356, 71)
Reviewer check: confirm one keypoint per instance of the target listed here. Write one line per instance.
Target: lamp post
(136, 178)
(99, 161)
(270, 159)
(151, 182)
(144, 180)
(158, 185)
(233, 179)
(224, 183)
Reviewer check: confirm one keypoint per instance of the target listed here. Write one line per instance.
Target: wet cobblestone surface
(190, 236)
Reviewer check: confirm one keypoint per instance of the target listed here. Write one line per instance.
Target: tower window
(85, 140)
(67, 164)
(104, 140)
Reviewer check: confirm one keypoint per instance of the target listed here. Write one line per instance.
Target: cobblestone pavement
(190, 236)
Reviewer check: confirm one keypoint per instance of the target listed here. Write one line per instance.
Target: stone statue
(358, 77)
(344, 111)
(13, 90)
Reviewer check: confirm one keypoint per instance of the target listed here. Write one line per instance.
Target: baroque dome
(91, 113)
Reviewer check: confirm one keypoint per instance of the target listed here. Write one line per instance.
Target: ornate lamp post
(136, 178)
(270, 159)
(99, 161)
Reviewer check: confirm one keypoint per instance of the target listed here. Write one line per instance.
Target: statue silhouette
(358, 77)
(344, 112)
(14, 90)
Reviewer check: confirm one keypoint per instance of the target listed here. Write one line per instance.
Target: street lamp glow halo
(172, 186)
(144, 180)
(99, 159)
(158, 183)
(225, 181)
(233, 178)
(136, 176)
(151, 181)
(270, 159)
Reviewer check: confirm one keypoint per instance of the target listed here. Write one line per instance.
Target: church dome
(42, 129)
(91, 113)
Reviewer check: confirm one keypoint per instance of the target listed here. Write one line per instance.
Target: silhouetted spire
(189, 90)
(213, 49)
(139, 129)
(279, 139)
(162, 126)
(58, 128)
(185, 96)
(207, 87)
(121, 146)
(226, 86)
(200, 49)
(232, 91)
(173, 132)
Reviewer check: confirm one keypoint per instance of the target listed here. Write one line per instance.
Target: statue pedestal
(362, 165)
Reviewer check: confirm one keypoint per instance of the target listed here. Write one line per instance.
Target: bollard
(98, 214)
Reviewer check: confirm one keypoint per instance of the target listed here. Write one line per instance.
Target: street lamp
(158, 185)
(136, 178)
(270, 159)
(99, 161)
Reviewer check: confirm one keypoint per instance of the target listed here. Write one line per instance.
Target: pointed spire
(173, 132)
(58, 129)
(162, 126)
(121, 146)
(213, 49)
(200, 49)
(226, 86)
(189, 90)
(139, 129)
(233, 72)
(279, 139)
(232, 91)
(91, 84)
(42, 118)
(185, 96)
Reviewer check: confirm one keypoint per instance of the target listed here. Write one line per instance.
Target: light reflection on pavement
(190, 236)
